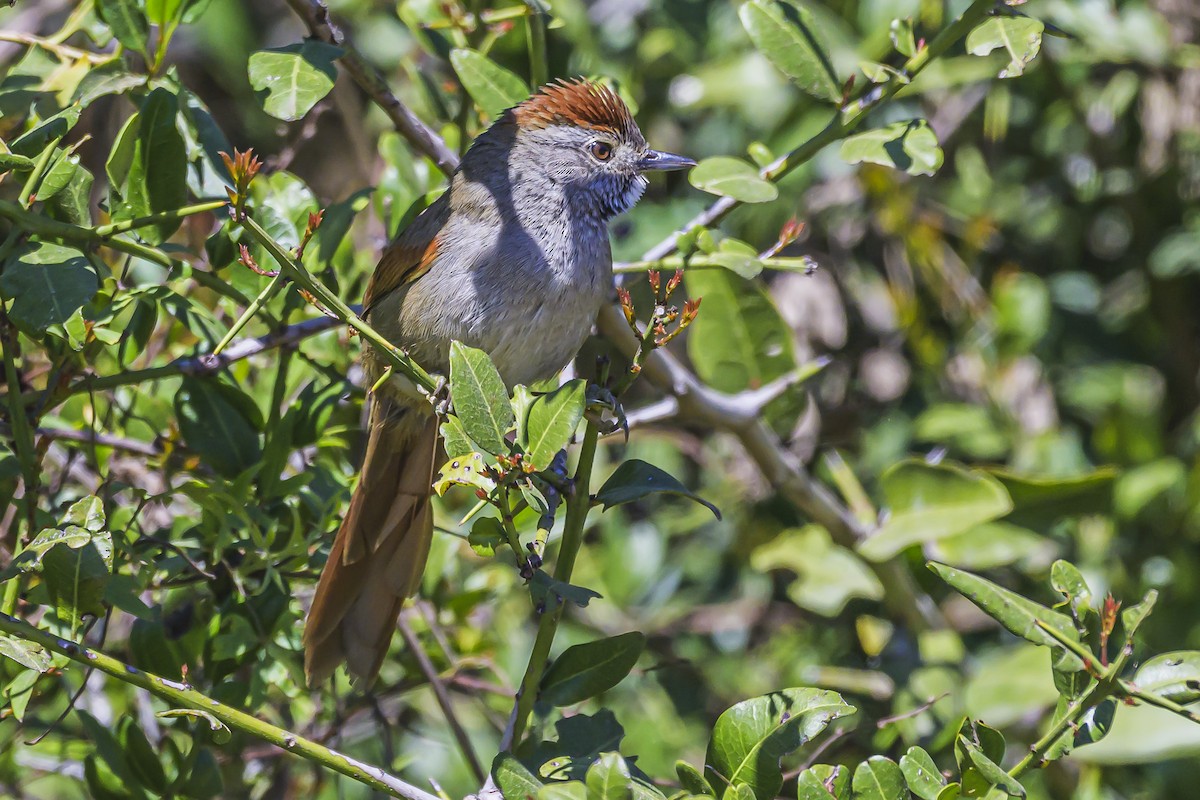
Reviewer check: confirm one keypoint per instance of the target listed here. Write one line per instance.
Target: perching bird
(514, 258)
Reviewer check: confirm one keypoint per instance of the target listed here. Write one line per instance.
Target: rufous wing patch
(410, 256)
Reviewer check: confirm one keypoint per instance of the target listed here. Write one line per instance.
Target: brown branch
(101, 440)
(316, 15)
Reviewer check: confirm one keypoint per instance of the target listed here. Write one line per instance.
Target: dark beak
(657, 160)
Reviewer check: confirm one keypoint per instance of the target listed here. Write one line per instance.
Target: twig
(182, 695)
(101, 440)
(578, 504)
(443, 698)
(316, 15)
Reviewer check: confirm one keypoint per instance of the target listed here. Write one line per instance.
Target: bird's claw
(603, 403)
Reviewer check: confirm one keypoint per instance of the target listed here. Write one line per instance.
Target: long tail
(380, 550)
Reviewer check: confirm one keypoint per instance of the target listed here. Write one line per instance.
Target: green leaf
(738, 257)
(514, 781)
(140, 756)
(76, 575)
(60, 174)
(635, 479)
(692, 781)
(1066, 579)
(952, 792)
(827, 576)
(585, 670)
(902, 37)
(455, 439)
(127, 22)
(738, 341)
(31, 143)
(1040, 502)
(294, 78)
(823, 782)
(550, 593)
(787, 35)
(1021, 38)
(147, 168)
(910, 145)
(878, 778)
(980, 772)
(609, 779)
(991, 545)
(487, 534)
(1016, 613)
(220, 732)
(563, 790)
(1133, 616)
(732, 177)
(214, 422)
(480, 399)
(580, 739)
(923, 777)
(490, 85)
(24, 653)
(549, 422)
(1174, 675)
(47, 283)
(927, 502)
(750, 738)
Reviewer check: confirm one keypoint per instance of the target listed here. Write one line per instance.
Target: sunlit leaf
(480, 399)
(787, 35)
(294, 78)
(1020, 37)
(586, 670)
(911, 146)
(732, 177)
(490, 85)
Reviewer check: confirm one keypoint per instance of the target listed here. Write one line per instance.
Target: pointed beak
(659, 161)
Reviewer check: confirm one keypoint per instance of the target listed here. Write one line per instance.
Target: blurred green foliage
(998, 360)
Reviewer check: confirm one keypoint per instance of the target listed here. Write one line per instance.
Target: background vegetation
(993, 366)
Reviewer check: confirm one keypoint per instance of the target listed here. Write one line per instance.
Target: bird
(514, 259)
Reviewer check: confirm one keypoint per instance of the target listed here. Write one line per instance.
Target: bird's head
(580, 135)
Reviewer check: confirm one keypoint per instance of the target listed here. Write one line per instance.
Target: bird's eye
(601, 151)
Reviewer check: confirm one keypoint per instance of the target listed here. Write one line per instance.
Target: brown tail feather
(380, 550)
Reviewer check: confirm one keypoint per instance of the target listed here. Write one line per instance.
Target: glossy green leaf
(31, 143)
(585, 670)
(549, 422)
(1016, 613)
(294, 78)
(1020, 37)
(985, 773)
(878, 778)
(1174, 675)
(923, 777)
(513, 780)
(738, 257)
(147, 168)
(455, 440)
(47, 284)
(738, 341)
(823, 782)
(635, 480)
(1133, 616)
(60, 174)
(911, 146)
(480, 399)
(751, 737)
(1067, 580)
(926, 502)
(468, 470)
(787, 35)
(609, 778)
(490, 85)
(126, 20)
(692, 781)
(732, 177)
(579, 741)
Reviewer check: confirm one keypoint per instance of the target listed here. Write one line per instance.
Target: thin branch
(182, 695)
(101, 440)
(316, 15)
(443, 698)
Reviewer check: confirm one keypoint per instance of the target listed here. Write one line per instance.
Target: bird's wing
(411, 255)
